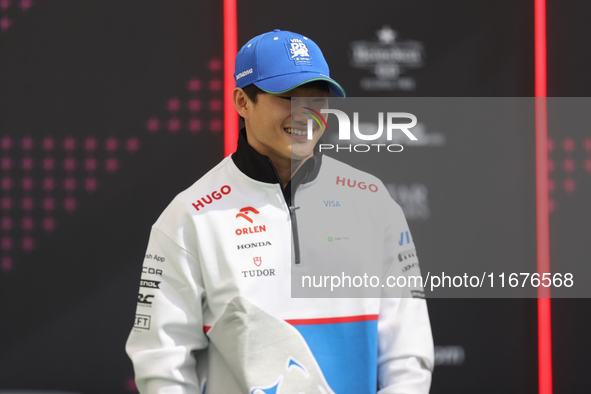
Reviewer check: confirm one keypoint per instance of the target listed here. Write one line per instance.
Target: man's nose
(298, 114)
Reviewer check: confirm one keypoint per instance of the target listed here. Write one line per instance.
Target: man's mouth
(289, 130)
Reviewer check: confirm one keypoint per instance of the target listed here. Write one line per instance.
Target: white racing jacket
(215, 311)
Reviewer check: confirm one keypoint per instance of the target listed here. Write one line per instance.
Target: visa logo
(331, 203)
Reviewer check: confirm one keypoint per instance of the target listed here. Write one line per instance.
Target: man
(215, 312)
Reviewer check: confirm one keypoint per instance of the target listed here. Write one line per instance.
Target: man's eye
(285, 97)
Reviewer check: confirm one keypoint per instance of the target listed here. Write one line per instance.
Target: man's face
(274, 130)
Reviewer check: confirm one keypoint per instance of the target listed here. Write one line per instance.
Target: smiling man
(274, 130)
(215, 310)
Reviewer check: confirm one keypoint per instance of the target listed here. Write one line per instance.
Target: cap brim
(285, 83)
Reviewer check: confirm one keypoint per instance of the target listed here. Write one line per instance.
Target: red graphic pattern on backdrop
(41, 179)
(567, 166)
(182, 112)
(9, 9)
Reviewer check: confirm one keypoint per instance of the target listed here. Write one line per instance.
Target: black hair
(252, 91)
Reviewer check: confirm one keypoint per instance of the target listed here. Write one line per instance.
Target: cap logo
(244, 74)
(298, 52)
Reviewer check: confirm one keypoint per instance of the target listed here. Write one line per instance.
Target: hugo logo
(244, 213)
(345, 125)
(213, 196)
(351, 183)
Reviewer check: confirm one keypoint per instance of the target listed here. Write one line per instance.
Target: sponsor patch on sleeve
(407, 254)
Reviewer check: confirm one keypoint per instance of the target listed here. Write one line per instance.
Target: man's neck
(286, 170)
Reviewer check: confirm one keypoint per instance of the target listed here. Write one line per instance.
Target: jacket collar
(259, 167)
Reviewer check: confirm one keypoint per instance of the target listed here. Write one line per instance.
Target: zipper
(294, 231)
(292, 208)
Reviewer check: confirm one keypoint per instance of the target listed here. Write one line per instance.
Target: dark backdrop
(108, 109)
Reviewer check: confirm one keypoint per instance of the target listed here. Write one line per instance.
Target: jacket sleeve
(405, 342)
(168, 325)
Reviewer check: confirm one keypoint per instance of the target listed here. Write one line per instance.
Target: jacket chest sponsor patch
(151, 271)
(331, 203)
(246, 214)
(253, 245)
(142, 321)
(259, 270)
(251, 230)
(213, 196)
(407, 254)
(151, 284)
(160, 259)
(352, 183)
(145, 299)
(258, 273)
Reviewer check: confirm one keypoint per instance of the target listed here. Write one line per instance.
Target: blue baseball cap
(279, 61)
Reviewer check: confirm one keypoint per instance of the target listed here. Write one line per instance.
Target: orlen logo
(353, 183)
(213, 196)
(244, 213)
(249, 230)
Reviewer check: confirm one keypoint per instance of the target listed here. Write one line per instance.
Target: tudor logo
(244, 213)
(257, 261)
(257, 273)
(210, 197)
(254, 245)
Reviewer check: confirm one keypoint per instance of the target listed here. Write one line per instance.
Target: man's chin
(301, 154)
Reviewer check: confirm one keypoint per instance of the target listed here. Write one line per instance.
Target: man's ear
(242, 103)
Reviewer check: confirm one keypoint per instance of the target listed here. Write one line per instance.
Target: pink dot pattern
(568, 163)
(11, 9)
(42, 179)
(183, 112)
